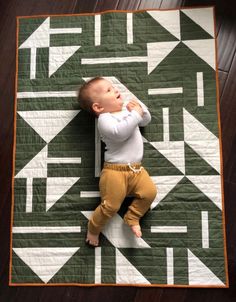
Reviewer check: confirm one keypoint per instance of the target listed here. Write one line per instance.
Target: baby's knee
(108, 208)
(150, 193)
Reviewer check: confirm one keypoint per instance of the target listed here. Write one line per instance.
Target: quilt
(166, 59)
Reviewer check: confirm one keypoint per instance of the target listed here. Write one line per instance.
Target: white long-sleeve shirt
(121, 135)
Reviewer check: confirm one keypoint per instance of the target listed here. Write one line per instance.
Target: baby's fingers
(130, 106)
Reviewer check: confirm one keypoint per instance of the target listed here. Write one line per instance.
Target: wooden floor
(226, 37)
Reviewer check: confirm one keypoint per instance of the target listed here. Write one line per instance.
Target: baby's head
(99, 96)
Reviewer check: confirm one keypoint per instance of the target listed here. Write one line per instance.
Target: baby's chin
(118, 109)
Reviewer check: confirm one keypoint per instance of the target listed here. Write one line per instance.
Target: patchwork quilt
(166, 59)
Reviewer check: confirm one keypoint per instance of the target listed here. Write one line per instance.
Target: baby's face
(107, 96)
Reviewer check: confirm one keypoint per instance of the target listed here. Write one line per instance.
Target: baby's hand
(134, 105)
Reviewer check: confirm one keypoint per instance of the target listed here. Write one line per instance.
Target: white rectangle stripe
(173, 90)
(97, 30)
(170, 265)
(205, 230)
(89, 194)
(33, 52)
(98, 265)
(64, 160)
(166, 130)
(130, 38)
(45, 94)
(29, 195)
(168, 229)
(111, 60)
(46, 229)
(200, 89)
(76, 30)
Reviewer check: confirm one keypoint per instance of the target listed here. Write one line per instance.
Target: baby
(122, 173)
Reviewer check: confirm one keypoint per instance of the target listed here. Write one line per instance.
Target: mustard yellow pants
(116, 182)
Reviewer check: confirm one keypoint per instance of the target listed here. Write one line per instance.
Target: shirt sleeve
(118, 130)
(146, 118)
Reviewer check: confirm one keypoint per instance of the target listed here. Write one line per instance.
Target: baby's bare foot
(136, 229)
(92, 239)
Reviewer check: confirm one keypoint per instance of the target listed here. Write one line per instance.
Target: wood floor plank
(169, 4)
(100, 294)
(82, 6)
(104, 5)
(196, 295)
(148, 294)
(34, 7)
(228, 112)
(178, 294)
(222, 76)
(231, 167)
(128, 5)
(145, 4)
(226, 44)
(230, 210)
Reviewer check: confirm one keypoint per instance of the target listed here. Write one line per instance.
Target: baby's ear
(97, 108)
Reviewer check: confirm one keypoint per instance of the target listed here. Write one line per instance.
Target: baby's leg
(113, 191)
(144, 190)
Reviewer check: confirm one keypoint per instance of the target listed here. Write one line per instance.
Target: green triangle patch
(190, 30)
(136, 257)
(157, 164)
(31, 24)
(29, 143)
(195, 164)
(150, 31)
(213, 263)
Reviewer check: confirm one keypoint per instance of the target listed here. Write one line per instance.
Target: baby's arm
(118, 131)
(146, 116)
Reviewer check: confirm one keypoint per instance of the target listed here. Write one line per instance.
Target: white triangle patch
(210, 185)
(164, 185)
(201, 140)
(39, 38)
(173, 151)
(119, 234)
(169, 19)
(126, 273)
(157, 52)
(203, 17)
(57, 187)
(37, 167)
(45, 261)
(199, 273)
(59, 55)
(48, 123)
(205, 49)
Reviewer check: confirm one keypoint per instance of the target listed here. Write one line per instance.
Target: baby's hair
(84, 98)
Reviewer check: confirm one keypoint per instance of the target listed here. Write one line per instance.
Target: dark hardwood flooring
(226, 38)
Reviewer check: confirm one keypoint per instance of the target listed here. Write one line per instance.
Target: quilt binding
(220, 144)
